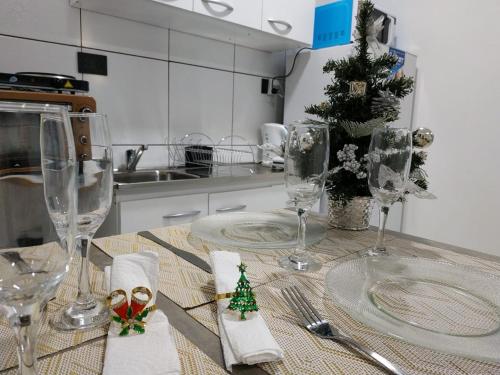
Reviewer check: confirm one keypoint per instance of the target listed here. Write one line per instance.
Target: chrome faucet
(133, 157)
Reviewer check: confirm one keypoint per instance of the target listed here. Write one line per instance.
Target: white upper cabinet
(267, 25)
(243, 12)
(293, 19)
(183, 4)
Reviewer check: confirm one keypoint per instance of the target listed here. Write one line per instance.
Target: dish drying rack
(231, 156)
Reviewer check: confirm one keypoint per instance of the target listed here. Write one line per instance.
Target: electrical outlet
(264, 86)
(91, 63)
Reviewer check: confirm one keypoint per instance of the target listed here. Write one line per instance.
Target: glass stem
(25, 326)
(85, 296)
(300, 250)
(380, 244)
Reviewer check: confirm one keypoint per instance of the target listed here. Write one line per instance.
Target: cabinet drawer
(184, 4)
(252, 200)
(293, 19)
(243, 12)
(161, 212)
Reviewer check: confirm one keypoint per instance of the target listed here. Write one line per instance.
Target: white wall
(161, 83)
(458, 96)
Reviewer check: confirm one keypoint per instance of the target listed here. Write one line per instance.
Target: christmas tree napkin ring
(243, 299)
(130, 316)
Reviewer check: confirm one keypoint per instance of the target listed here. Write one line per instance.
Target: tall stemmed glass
(34, 252)
(389, 159)
(95, 191)
(306, 166)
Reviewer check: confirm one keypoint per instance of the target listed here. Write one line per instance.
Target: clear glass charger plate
(442, 306)
(255, 230)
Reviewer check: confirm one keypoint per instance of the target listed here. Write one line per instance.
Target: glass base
(302, 264)
(79, 317)
(372, 251)
(388, 250)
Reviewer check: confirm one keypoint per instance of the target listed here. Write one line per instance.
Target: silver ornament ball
(423, 137)
(306, 142)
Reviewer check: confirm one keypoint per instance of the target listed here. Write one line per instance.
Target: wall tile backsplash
(161, 83)
(49, 20)
(201, 101)
(107, 33)
(192, 49)
(24, 55)
(134, 94)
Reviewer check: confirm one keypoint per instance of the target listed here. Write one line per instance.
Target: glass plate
(442, 306)
(255, 230)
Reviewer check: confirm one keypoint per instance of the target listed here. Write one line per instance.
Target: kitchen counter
(225, 180)
(137, 206)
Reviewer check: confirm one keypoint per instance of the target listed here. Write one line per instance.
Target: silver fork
(322, 328)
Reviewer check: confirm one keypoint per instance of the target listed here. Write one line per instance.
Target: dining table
(186, 294)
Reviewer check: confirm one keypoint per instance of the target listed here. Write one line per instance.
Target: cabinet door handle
(235, 208)
(229, 7)
(288, 25)
(176, 215)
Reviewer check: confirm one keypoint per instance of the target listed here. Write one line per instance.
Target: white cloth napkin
(243, 341)
(154, 352)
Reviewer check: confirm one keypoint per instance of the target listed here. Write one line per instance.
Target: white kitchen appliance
(305, 86)
(273, 147)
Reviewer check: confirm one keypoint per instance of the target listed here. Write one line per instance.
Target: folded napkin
(243, 341)
(153, 352)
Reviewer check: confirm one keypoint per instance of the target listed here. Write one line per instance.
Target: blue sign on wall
(401, 55)
(332, 24)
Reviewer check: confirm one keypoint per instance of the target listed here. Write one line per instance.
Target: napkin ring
(130, 316)
(223, 296)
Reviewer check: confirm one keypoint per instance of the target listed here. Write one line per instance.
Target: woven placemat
(50, 340)
(183, 283)
(88, 359)
(306, 354)
(189, 286)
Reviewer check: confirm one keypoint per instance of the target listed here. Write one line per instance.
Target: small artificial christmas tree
(364, 94)
(243, 299)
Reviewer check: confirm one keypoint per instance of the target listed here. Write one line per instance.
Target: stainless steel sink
(155, 175)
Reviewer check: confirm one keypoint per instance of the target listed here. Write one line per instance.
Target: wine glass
(389, 159)
(95, 190)
(37, 182)
(306, 166)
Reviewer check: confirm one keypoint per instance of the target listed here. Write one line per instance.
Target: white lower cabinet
(252, 200)
(145, 214)
(161, 212)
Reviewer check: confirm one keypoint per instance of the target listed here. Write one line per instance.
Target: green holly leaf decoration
(124, 331)
(142, 315)
(139, 329)
(117, 319)
(129, 312)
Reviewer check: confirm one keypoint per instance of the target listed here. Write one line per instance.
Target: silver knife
(186, 255)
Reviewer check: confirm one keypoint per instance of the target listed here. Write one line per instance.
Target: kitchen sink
(156, 175)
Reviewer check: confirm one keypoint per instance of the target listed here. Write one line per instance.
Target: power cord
(275, 91)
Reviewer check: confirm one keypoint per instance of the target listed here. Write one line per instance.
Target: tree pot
(354, 214)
